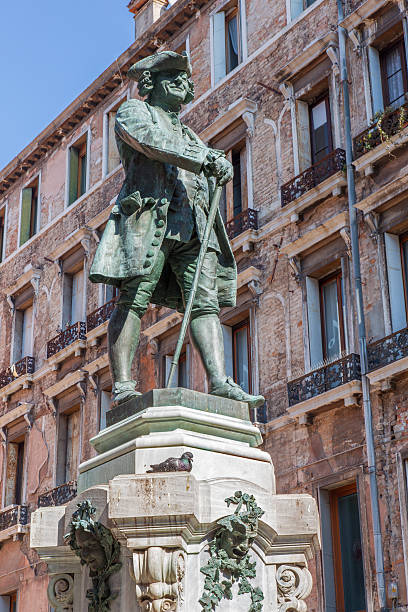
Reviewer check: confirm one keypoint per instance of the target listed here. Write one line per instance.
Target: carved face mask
(238, 542)
(91, 550)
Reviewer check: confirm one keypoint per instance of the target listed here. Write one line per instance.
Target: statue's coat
(152, 149)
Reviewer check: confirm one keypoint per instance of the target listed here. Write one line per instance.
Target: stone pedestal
(165, 521)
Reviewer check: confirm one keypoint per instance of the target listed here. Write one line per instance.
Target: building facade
(267, 91)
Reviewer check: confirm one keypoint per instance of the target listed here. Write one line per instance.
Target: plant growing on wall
(229, 560)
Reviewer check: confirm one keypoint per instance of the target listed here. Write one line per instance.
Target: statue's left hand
(220, 168)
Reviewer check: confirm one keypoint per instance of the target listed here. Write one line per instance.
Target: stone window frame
(114, 104)
(4, 214)
(26, 184)
(19, 419)
(87, 132)
(321, 490)
(402, 485)
(241, 6)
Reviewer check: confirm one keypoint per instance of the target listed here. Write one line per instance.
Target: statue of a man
(150, 246)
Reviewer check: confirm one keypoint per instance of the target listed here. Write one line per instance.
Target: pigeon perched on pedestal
(173, 464)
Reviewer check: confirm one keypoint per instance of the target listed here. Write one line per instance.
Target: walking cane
(190, 302)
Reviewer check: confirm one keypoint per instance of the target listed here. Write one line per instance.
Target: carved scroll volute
(294, 585)
(61, 592)
(159, 576)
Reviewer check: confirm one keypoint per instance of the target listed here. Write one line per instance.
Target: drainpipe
(375, 511)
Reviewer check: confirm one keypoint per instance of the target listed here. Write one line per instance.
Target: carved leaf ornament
(229, 555)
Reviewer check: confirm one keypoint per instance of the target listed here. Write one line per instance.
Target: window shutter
(395, 281)
(5, 603)
(219, 46)
(175, 376)
(73, 449)
(113, 153)
(296, 8)
(376, 80)
(73, 175)
(26, 199)
(105, 406)
(26, 343)
(327, 552)
(229, 363)
(314, 321)
(303, 129)
(77, 296)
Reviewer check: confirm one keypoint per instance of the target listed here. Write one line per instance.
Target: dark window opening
(241, 343)
(29, 211)
(331, 308)
(347, 550)
(320, 129)
(232, 39)
(236, 183)
(404, 258)
(394, 75)
(2, 232)
(77, 170)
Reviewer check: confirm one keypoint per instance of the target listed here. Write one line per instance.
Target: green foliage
(239, 571)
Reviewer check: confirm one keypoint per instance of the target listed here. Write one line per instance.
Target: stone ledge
(179, 397)
(346, 393)
(380, 375)
(13, 532)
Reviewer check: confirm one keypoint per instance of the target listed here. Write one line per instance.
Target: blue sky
(51, 51)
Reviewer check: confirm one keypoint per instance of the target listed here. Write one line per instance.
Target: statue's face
(171, 87)
(238, 542)
(91, 551)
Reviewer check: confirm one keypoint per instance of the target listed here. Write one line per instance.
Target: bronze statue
(151, 243)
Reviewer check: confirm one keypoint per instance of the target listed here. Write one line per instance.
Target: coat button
(155, 242)
(160, 223)
(164, 201)
(150, 253)
(157, 233)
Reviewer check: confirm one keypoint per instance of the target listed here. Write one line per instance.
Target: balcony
(386, 134)
(246, 220)
(328, 384)
(13, 520)
(20, 368)
(312, 177)
(97, 321)
(388, 356)
(58, 496)
(74, 337)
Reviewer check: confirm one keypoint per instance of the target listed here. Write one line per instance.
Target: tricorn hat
(164, 60)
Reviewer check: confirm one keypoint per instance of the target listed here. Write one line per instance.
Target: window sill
(14, 519)
(75, 349)
(346, 393)
(330, 187)
(387, 358)
(94, 334)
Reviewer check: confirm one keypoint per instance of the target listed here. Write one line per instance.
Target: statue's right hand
(218, 167)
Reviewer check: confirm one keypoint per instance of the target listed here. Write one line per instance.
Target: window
(105, 404)
(77, 172)
(396, 250)
(227, 42)
(320, 129)
(15, 472)
(298, 6)
(8, 603)
(181, 376)
(29, 211)
(325, 313)
(331, 316)
(394, 75)
(347, 550)
(23, 334)
(112, 157)
(237, 352)
(234, 194)
(2, 233)
(68, 448)
(108, 293)
(73, 298)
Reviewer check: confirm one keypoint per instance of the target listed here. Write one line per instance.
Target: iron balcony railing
(383, 128)
(59, 495)
(313, 176)
(66, 337)
(20, 368)
(247, 219)
(388, 349)
(17, 515)
(100, 315)
(324, 379)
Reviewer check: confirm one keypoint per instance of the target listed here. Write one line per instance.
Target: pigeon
(173, 464)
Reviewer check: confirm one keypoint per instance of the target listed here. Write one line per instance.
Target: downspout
(375, 510)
